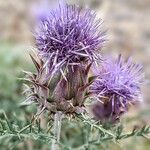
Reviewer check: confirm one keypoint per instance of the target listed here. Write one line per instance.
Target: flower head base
(117, 85)
(69, 35)
(59, 94)
(107, 111)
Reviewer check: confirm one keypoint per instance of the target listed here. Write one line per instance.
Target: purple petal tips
(70, 35)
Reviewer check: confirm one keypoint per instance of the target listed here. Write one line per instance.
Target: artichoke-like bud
(57, 92)
(74, 84)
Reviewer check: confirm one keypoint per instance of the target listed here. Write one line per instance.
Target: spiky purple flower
(118, 84)
(69, 35)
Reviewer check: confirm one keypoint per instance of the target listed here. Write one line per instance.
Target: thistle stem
(57, 130)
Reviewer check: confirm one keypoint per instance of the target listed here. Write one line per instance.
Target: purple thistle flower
(69, 35)
(118, 84)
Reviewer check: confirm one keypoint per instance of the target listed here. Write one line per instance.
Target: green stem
(57, 130)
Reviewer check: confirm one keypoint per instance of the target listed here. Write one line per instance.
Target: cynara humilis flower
(117, 85)
(68, 36)
(68, 39)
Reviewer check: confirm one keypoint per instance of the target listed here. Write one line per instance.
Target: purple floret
(69, 35)
(118, 84)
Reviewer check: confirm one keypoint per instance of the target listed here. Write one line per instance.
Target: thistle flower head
(69, 35)
(117, 85)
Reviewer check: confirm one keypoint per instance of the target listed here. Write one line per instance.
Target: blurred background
(128, 25)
